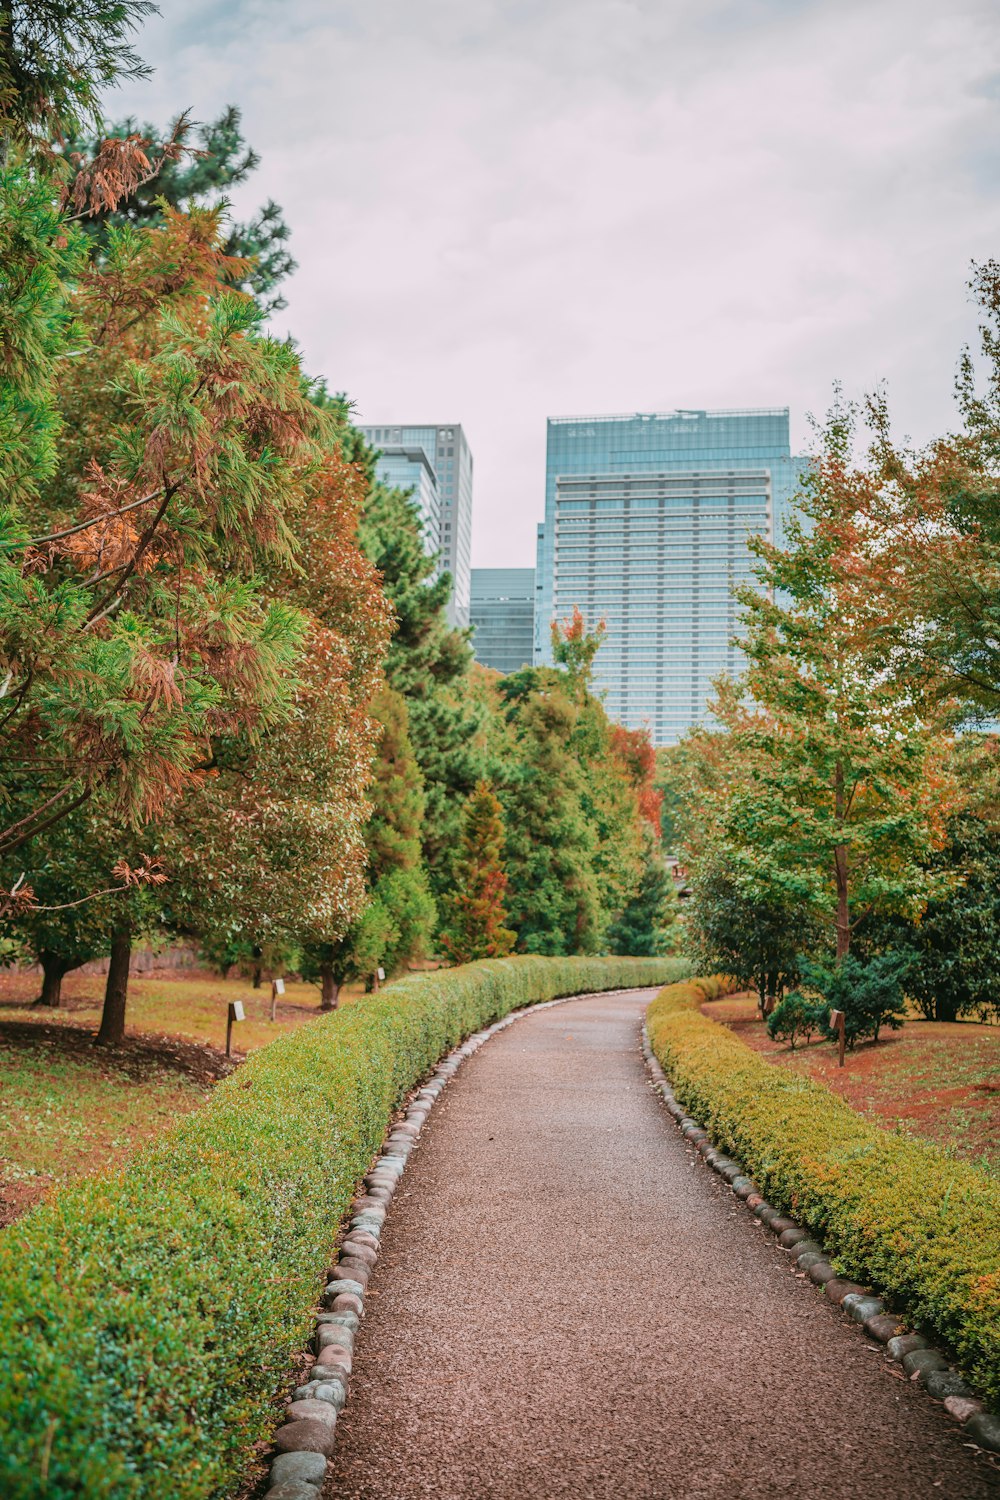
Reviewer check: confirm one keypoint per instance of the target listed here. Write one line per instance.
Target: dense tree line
(840, 818)
(232, 709)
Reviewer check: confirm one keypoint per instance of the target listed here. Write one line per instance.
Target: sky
(505, 210)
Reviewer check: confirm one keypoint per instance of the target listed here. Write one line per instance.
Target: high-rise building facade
(646, 526)
(436, 463)
(503, 616)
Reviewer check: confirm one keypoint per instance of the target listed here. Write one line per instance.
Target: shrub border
(921, 1361)
(147, 1314)
(307, 1438)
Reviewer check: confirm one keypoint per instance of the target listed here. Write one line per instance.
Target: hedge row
(899, 1215)
(148, 1317)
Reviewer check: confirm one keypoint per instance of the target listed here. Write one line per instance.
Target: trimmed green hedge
(149, 1316)
(898, 1215)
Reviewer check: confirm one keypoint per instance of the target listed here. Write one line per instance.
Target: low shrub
(898, 1215)
(793, 1017)
(868, 991)
(148, 1316)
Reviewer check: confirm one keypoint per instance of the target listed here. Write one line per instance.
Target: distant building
(646, 526)
(436, 463)
(503, 613)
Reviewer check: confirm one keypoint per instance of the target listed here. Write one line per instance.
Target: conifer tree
(429, 663)
(475, 915)
(216, 158)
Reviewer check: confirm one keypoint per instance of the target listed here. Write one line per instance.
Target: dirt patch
(136, 1056)
(937, 1080)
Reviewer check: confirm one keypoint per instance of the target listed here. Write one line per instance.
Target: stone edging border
(306, 1440)
(919, 1359)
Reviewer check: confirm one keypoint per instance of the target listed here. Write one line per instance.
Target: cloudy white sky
(507, 209)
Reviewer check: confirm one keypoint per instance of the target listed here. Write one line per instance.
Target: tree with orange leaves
(835, 783)
(158, 454)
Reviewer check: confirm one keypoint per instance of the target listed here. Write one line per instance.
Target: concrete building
(436, 463)
(503, 614)
(646, 524)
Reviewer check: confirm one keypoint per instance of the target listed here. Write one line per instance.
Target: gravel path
(568, 1304)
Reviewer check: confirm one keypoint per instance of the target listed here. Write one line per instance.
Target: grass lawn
(933, 1079)
(68, 1109)
(188, 1004)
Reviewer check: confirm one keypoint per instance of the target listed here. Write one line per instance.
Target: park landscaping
(898, 1214)
(184, 1279)
(935, 1080)
(68, 1109)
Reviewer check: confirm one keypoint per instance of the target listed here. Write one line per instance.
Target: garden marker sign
(277, 988)
(234, 1013)
(837, 1025)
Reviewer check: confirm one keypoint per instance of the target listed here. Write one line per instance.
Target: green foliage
(428, 664)
(221, 161)
(749, 930)
(574, 647)
(954, 950)
(839, 781)
(897, 1215)
(185, 1283)
(56, 56)
(646, 924)
(869, 992)
(794, 1017)
(395, 923)
(576, 851)
(475, 912)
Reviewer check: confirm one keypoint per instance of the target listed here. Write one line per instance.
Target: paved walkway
(568, 1304)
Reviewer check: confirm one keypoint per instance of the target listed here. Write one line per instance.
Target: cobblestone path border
(920, 1360)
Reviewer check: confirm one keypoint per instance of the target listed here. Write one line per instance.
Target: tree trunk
(840, 868)
(53, 969)
(330, 991)
(116, 990)
(256, 976)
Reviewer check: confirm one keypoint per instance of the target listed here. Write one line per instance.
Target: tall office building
(503, 615)
(436, 463)
(646, 526)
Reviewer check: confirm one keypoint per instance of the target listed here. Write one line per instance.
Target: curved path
(570, 1304)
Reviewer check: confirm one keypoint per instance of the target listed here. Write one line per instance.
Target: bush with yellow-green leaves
(148, 1316)
(898, 1215)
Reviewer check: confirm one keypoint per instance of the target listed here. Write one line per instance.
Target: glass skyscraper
(436, 463)
(503, 614)
(646, 525)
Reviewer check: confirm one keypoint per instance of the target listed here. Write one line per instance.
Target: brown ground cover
(936, 1080)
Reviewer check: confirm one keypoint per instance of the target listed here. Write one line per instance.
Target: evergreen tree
(645, 927)
(396, 922)
(199, 176)
(56, 57)
(429, 665)
(475, 913)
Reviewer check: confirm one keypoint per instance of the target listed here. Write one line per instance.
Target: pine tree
(216, 158)
(429, 664)
(475, 913)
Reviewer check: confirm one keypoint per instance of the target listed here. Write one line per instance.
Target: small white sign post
(234, 1013)
(277, 988)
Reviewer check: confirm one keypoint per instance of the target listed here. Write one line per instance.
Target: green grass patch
(148, 1316)
(64, 1114)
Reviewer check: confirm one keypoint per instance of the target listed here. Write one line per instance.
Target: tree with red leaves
(475, 914)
